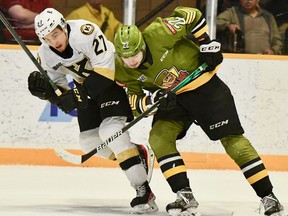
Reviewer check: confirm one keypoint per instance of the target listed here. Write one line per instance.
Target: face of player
(57, 39)
(133, 61)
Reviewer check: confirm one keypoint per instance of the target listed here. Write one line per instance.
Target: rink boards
(31, 128)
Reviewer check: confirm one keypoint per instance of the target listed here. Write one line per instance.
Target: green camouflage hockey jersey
(170, 56)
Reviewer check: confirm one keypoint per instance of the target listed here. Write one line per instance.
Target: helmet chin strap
(66, 33)
(144, 55)
(43, 40)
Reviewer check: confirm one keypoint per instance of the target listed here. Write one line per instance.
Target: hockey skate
(185, 204)
(144, 202)
(147, 158)
(272, 206)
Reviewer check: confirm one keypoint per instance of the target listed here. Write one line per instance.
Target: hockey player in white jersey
(80, 49)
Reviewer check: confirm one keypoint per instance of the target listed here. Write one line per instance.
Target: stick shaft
(79, 159)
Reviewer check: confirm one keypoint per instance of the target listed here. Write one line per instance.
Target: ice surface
(73, 191)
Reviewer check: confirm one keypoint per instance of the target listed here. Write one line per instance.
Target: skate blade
(187, 212)
(149, 208)
(281, 213)
(144, 209)
(151, 160)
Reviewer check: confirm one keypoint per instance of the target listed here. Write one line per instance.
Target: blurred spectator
(95, 12)
(259, 28)
(278, 8)
(280, 11)
(21, 14)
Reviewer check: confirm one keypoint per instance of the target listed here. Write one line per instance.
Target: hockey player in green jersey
(158, 59)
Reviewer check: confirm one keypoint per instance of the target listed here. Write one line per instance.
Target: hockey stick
(79, 159)
(27, 51)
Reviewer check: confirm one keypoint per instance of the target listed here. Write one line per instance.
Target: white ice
(73, 191)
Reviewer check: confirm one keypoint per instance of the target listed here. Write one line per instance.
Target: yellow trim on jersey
(106, 72)
(173, 171)
(143, 103)
(190, 15)
(132, 101)
(65, 88)
(201, 31)
(129, 153)
(257, 177)
(201, 80)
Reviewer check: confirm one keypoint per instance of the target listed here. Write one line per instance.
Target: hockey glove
(167, 100)
(39, 86)
(211, 55)
(71, 99)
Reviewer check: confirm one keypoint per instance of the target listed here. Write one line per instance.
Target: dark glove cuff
(80, 96)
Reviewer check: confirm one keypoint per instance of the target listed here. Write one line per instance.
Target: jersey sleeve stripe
(132, 101)
(201, 32)
(142, 104)
(200, 28)
(106, 72)
(190, 16)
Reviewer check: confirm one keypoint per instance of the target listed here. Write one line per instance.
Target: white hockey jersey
(92, 52)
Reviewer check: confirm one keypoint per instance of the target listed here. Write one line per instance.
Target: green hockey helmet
(128, 41)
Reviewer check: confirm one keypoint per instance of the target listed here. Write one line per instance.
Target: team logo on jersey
(87, 29)
(142, 78)
(169, 78)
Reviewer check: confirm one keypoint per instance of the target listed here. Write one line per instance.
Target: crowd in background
(253, 26)
(239, 23)
(21, 14)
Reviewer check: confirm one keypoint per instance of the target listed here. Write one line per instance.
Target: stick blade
(67, 156)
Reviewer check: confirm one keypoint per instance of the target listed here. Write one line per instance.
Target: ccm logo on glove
(212, 47)
(77, 95)
(210, 53)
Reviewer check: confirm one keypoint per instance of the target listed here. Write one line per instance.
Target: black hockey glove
(71, 99)
(211, 54)
(39, 86)
(167, 100)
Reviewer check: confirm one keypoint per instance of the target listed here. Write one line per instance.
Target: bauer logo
(52, 113)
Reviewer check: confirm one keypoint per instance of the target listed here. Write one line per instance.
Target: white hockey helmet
(47, 21)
